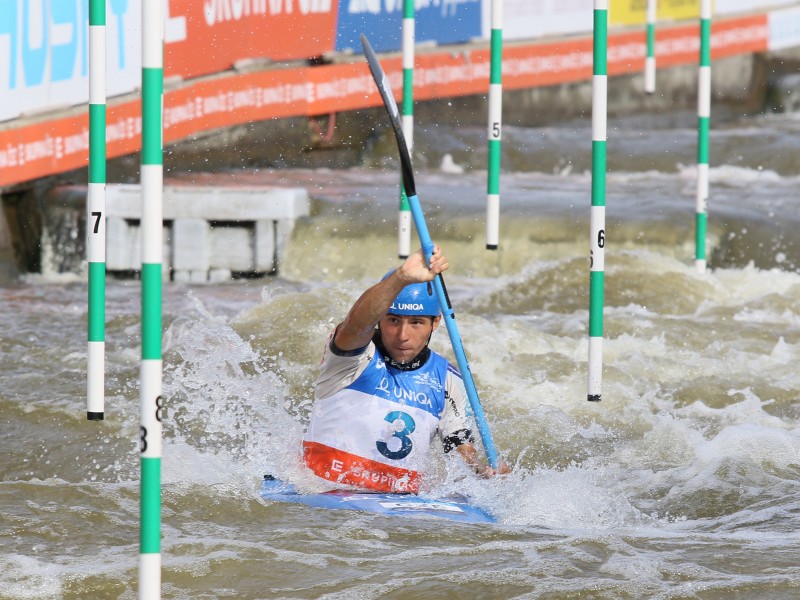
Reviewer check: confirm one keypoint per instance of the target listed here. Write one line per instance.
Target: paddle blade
(394, 114)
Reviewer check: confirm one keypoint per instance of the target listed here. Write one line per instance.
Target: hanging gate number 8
(143, 430)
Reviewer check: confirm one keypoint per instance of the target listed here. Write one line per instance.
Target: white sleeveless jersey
(372, 424)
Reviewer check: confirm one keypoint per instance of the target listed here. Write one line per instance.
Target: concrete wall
(8, 263)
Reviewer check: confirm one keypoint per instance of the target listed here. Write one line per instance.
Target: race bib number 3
(404, 426)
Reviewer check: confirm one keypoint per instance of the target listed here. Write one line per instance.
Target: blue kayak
(400, 505)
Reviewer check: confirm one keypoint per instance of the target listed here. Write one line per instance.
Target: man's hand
(416, 269)
(470, 456)
(487, 471)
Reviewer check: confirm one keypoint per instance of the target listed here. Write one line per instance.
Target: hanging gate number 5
(143, 430)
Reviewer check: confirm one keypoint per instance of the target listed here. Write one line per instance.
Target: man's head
(416, 299)
(410, 322)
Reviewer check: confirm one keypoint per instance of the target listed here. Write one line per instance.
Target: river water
(681, 483)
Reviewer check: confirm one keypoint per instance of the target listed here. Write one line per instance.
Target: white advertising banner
(530, 19)
(784, 28)
(727, 7)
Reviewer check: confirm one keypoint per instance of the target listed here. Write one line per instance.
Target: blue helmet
(415, 299)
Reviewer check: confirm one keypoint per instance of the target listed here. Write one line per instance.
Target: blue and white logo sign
(441, 21)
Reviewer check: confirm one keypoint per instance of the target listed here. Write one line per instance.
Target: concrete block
(217, 275)
(283, 233)
(190, 244)
(265, 250)
(212, 203)
(122, 245)
(185, 276)
(209, 232)
(232, 248)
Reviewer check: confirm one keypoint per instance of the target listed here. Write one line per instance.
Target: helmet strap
(412, 365)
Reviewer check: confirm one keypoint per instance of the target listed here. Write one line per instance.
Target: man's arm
(359, 325)
(454, 426)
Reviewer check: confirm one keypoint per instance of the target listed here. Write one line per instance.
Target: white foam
(25, 577)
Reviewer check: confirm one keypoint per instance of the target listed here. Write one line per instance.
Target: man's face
(404, 336)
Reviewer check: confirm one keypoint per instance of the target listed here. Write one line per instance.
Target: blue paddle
(427, 247)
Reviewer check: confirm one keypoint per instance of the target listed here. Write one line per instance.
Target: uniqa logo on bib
(403, 395)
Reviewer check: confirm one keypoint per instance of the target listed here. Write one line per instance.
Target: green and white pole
(495, 127)
(152, 176)
(95, 217)
(404, 215)
(650, 59)
(703, 127)
(598, 215)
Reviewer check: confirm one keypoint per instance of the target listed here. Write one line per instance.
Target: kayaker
(383, 395)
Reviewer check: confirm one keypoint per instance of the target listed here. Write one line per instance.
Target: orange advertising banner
(210, 36)
(681, 45)
(234, 100)
(336, 88)
(62, 144)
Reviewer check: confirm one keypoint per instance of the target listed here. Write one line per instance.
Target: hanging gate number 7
(97, 216)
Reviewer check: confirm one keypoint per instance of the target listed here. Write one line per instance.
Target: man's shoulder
(337, 372)
(337, 356)
(445, 364)
(335, 350)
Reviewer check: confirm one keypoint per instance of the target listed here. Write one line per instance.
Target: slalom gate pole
(495, 128)
(703, 128)
(650, 60)
(598, 212)
(427, 246)
(96, 214)
(152, 176)
(404, 215)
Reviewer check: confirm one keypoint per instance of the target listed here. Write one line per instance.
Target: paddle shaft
(427, 247)
(455, 336)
